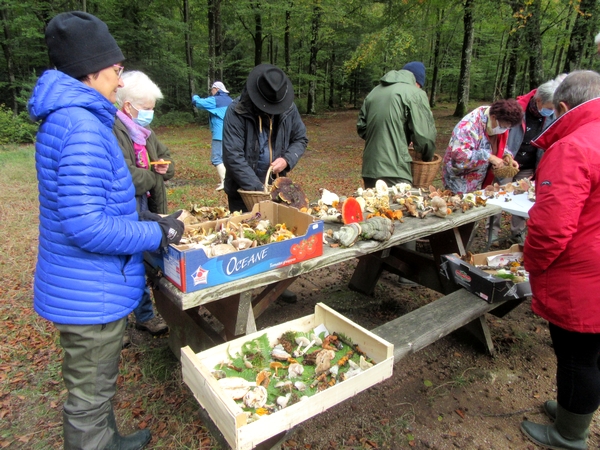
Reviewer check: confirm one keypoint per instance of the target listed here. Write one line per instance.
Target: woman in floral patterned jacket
(477, 144)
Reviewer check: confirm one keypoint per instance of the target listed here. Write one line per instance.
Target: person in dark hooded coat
(262, 129)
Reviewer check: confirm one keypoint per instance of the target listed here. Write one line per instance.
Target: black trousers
(578, 369)
(236, 203)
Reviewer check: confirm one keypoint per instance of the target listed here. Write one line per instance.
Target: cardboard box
(191, 270)
(482, 283)
(229, 416)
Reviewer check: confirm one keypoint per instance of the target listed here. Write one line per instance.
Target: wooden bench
(417, 329)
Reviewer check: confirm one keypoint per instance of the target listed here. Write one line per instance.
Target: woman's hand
(279, 165)
(161, 168)
(495, 161)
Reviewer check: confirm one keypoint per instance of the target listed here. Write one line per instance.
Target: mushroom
(323, 361)
(295, 370)
(282, 401)
(440, 207)
(262, 379)
(381, 188)
(301, 341)
(243, 243)
(284, 189)
(280, 353)
(256, 397)
(221, 249)
(328, 197)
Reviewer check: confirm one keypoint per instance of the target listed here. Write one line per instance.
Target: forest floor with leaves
(449, 395)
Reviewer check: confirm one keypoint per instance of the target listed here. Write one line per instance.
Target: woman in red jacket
(562, 251)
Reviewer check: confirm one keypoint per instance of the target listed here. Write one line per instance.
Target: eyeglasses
(119, 70)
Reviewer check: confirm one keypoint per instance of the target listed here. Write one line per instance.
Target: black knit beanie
(80, 44)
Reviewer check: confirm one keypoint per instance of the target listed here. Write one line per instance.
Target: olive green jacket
(146, 180)
(395, 113)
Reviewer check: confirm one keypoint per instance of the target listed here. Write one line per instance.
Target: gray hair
(597, 39)
(138, 89)
(546, 91)
(577, 88)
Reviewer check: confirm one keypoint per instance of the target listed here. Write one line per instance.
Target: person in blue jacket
(216, 105)
(89, 274)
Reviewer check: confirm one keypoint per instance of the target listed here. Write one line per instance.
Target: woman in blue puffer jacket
(90, 273)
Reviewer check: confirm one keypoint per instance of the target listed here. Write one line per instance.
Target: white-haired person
(143, 154)
(597, 42)
(539, 114)
(216, 105)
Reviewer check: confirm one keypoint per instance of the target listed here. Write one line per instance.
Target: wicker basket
(252, 197)
(424, 172)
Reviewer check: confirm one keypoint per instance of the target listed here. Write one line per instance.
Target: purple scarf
(137, 133)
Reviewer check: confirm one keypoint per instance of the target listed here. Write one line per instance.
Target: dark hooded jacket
(241, 146)
(517, 133)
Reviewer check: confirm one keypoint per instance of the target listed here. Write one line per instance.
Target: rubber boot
(550, 409)
(221, 172)
(133, 441)
(569, 431)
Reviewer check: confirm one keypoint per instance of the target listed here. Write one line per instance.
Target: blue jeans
(144, 311)
(216, 153)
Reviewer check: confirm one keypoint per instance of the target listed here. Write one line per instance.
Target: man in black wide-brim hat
(262, 129)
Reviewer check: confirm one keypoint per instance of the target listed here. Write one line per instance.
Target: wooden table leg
(480, 329)
(367, 272)
(185, 327)
(269, 294)
(235, 313)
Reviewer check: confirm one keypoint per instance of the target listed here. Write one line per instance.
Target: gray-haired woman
(539, 114)
(143, 154)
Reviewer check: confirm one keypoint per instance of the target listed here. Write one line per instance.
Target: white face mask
(497, 130)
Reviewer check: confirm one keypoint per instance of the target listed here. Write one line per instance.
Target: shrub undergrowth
(17, 129)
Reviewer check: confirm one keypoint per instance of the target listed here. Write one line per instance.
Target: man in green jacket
(394, 114)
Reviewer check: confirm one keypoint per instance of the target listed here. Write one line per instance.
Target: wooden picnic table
(235, 305)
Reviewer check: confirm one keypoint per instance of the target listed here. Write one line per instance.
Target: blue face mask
(144, 117)
(546, 112)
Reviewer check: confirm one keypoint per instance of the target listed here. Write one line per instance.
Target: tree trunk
(513, 50)
(581, 35)
(258, 33)
(311, 99)
(332, 80)
(499, 68)
(534, 44)
(218, 36)
(286, 38)
(8, 56)
(211, 41)
(436, 58)
(563, 44)
(465, 62)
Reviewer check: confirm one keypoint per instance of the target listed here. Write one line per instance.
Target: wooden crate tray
(229, 416)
